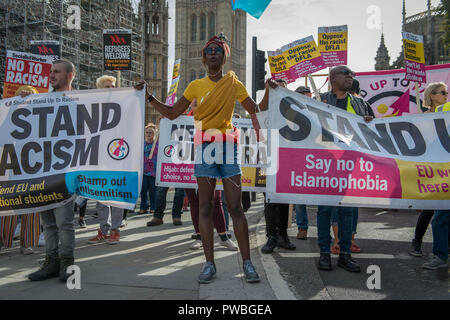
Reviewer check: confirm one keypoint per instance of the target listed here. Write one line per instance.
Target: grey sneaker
(250, 273)
(207, 273)
(435, 263)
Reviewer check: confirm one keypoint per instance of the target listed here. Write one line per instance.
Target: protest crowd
(211, 102)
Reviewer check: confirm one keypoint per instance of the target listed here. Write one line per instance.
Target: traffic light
(258, 72)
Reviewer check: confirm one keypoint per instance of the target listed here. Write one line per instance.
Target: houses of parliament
(429, 24)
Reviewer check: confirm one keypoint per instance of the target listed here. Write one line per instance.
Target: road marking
(356, 256)
(277, 283)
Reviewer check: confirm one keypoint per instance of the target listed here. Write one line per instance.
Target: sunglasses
(210, 51)
(347, 72)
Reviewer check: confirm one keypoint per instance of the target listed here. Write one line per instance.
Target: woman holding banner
(435, 98)
(216, 148)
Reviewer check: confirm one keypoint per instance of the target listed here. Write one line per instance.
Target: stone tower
(382, 58)
(156, 15)
(196, 22)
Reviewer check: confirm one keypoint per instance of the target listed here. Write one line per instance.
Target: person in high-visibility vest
(436, 96)
(341, 80)
(444, 107)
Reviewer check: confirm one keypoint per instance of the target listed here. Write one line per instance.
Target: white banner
(327, 156)
(56, 145)
(175, 164)
(390, 94)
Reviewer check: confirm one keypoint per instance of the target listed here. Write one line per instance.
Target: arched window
(155, 25)
(212, 25)
(193, 75)
(147, 25)
(155, 68)
(202, 27)
(194, 28)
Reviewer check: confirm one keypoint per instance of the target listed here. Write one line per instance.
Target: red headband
(219, 42)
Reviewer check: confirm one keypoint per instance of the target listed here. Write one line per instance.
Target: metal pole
(254, 43)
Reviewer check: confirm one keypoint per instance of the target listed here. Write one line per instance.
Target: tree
(444, 9)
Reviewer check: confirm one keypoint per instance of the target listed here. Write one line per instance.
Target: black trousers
(422, 225)
(277, 216)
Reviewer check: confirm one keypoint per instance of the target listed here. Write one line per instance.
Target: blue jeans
(148, 188)
(217, 160)
(59, 227)
(355, 210)
(344, 217)
(301, 216)
(177, 207)
(440, 224)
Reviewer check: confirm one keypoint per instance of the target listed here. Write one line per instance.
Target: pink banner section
(285, 75)
(337, 173)
(336, 58)
(415, 71)
(306, 67)
(181, 173)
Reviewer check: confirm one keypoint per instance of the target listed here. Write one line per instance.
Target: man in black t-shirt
(341, 80)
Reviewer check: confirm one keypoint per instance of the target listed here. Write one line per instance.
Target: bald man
(341, 80)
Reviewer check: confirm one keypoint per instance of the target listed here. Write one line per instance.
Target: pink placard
(180, 173)
(415, 71)
(307, 67)
(337, 173)
(335, 58)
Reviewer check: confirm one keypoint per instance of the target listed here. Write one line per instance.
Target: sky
(285, 21)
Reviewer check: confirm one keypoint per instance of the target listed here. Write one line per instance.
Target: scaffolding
(25, 20)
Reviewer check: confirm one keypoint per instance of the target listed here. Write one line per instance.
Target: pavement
(155, 263)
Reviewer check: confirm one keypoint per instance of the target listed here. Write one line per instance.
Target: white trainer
(41, 240)
(197, 244)
(229, 244)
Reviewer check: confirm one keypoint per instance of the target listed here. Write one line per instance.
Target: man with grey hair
(58, 223)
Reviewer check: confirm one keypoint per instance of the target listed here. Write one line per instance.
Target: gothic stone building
(196, 22)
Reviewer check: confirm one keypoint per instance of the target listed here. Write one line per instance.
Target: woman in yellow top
(216, 148)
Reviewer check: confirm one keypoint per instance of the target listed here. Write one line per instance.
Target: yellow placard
(277, 64)
(424, 180)
(333, 41)
(301, 53)
(413, 51)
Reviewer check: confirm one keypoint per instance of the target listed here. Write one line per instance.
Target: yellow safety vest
(349, 106)
(444, 107)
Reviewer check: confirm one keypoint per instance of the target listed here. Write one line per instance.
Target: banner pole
(313, 85)
(118, 79)
(419, 107)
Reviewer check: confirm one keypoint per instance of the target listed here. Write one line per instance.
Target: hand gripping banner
(55, 146)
